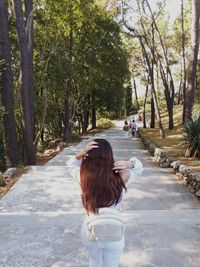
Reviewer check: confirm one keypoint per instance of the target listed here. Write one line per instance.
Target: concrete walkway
(40, 218)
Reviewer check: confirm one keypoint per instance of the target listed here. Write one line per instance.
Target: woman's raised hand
(121, 165)
(86, 149)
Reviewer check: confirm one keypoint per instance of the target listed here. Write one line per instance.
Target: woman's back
(101, 186)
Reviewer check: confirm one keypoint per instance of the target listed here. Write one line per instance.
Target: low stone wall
(191, 179)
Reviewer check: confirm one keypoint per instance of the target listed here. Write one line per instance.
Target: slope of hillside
(173, 142)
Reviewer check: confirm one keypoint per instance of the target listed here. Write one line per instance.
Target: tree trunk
(162, 134)
(152, 121)
(183, 60)
(180, 95)
(170, 104)
(136, 96)
(157, 111)
(26, 82)
(12, 147)
(189, 100)
(66, 118)
(43, 84)
(169, 97)
(2, 152)
(85, 121)
(144, 106)
(68, 88)
(171, 88)
(93, 115)
(150, 70)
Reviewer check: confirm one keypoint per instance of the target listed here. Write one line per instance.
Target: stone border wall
(189, 178)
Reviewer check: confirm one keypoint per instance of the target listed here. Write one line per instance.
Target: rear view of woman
(103, 182)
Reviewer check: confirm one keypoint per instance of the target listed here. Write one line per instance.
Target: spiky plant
(192, 138)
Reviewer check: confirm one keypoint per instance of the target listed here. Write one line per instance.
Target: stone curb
(189, 178)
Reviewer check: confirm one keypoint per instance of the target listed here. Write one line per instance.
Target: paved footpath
(40, 218)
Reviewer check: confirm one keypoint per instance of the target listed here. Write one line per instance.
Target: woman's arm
(74, 162)
(74, 167)
(129, 170)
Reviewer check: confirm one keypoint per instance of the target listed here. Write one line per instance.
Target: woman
(126, 128)
(103, 182)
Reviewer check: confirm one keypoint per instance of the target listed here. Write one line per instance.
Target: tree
(169, 88)
(135, 91)
(128, 100)
(10, 135)
(24, 33)
(184, 78)
(195, 35)
(150, 62)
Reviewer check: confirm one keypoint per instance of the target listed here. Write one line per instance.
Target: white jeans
(102, 254)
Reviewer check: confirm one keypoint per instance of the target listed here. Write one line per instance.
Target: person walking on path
(133, 128)
(126, 128)
(103, 183)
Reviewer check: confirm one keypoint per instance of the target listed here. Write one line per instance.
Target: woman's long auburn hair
(101, 186)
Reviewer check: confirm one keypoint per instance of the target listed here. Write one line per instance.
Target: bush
(192, 138)
(2, 180)
(104, 123)
(106, 114)
(75, 137)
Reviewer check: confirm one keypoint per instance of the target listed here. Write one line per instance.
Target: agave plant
(192, 138)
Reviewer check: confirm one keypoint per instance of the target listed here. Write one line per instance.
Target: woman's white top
(74, 166)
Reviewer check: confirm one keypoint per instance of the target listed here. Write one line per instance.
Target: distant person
(103, 182)
(133, 128)
(126, 128)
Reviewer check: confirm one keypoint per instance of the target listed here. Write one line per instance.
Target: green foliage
(2, 180)
(128, 99)
(104, 123)
(75, 137)
(99, 65)
(103, 113)
(192, 138)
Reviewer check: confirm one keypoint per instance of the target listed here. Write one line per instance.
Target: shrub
(75, 137)
(104, 123)
(106, 114)
(192, 138)
(2, 180)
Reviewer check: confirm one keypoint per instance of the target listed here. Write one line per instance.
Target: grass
(172, 143)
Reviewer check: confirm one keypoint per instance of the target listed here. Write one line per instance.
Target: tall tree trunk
(149, 65)
(2, 151)
(183, 60)
(180, 92)
(154, 96)
(26, 83)
(44, 87)
(171, 87)
(66, 118)
(6, 90)
(152, 121)
(68, 88)
(169, 97)
(193, 59)
(93, 115)
(157, 111)
(144, 106)
(85, 121)
(136, 96)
